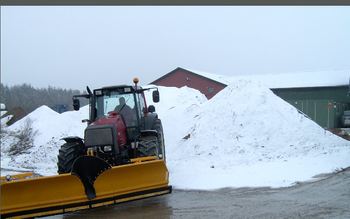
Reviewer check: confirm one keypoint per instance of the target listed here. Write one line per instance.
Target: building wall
(324, 105)
(180, 78)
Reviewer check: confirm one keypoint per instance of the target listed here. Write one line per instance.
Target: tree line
(29, 98)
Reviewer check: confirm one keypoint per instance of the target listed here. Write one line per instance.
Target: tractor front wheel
(68, 153)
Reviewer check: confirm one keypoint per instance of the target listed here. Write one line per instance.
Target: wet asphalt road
(325, 198)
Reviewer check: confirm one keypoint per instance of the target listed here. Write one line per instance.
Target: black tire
(157, 125)
(148, 146)
(67, 155)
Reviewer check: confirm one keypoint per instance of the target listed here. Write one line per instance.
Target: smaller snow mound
(50, 127)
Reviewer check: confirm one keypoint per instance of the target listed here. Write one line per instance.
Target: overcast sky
(74, 46)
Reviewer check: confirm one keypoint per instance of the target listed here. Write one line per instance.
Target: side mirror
(151, 109)
(76, 104)
(155, 96)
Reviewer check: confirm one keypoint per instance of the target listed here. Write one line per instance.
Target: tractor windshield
(116, 100)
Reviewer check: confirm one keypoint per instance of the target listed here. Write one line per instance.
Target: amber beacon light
(136, 80)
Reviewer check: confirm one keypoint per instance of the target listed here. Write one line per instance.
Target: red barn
(207, 83)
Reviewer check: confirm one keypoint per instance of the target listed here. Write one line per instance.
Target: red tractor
(120, 158)
(121, 127)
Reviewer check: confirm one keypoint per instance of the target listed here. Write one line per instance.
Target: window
(108, 102)
(211, 90)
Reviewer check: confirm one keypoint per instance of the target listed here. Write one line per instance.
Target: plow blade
(67, 192)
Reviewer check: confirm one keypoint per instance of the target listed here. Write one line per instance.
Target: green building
(321, 95)
(324, 105)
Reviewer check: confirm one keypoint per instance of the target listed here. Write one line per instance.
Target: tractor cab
(122, 100)
(128, 102)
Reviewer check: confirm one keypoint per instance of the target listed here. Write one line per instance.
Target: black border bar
(175, 2)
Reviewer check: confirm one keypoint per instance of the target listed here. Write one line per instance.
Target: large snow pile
(247, 136)
(244, 136)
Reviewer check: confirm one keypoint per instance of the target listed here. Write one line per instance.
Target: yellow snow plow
(143, 177)
(120, 158)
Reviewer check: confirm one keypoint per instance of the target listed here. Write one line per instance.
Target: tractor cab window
(142, 105)
(116, 100)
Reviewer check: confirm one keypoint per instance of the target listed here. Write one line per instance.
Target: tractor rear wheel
(153, 145)
(157, 125)
(148, 146)
(67, 155)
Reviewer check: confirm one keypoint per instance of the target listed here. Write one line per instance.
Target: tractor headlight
(107, 148)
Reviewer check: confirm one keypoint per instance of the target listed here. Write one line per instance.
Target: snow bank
(51, 127)
(244, 136)
(247, 136)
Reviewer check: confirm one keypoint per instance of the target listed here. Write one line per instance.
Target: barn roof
(214, 77)
(223, 79)
(322, 78)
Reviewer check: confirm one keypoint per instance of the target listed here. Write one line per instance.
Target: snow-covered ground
(244, 136)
